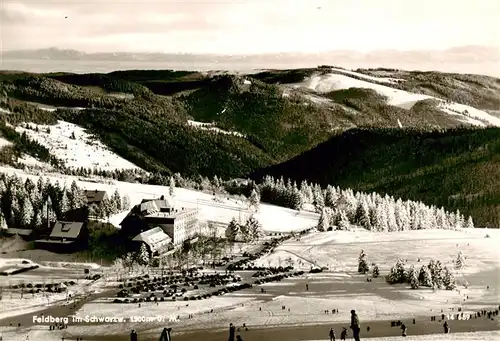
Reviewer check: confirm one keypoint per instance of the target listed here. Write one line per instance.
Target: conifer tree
(117, 201)
(397, 273)
(27, 213)
(125, 202)
(414, 282)
(425, 277)
(460, 261)
(323, 221)
(449, 282)
(171, 186)
(343, 221)
(63, 205)
(254, 200)
(469, 224)
(318, 199)
(232, 230)
(362, 263)
(361, 217)
(254, 228)
(143, 256)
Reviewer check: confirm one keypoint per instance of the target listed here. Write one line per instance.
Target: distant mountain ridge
(462, 54)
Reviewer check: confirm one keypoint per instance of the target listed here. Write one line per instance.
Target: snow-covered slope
(80, 151)
(210, 126)
(396, 97)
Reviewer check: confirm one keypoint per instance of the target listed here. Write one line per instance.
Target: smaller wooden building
(66, 236)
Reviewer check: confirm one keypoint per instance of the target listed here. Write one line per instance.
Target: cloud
(243, 26)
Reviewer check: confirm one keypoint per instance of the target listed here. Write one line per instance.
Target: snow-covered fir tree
(27, 213)
(254, 200)
(254, 228)
(413, 276)
(409, 273)
(449, 282)
(76, 197)
(323, 221)
(331, 197)
(362, 217)
(363, 263)
(376, 271)
(436, 270)
(469, 224)
(143, 256)
(63, 204)
(397, 274)
(116, 200)
(343, 221)
(296, 199)
(318, 199)
(232, 231)
(460, 261)
(245, 234)
(425, 277)
(171, 186)
(125, 202)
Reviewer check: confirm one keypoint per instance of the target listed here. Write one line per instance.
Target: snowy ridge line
(342, 80)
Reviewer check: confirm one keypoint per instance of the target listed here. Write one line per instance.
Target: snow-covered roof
(66, 229)
(155, 238)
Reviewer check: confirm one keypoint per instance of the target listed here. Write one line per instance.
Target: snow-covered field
(338, 250)
(476, 336)
(400, 98)
(211, 127)
(42, 333)
(82, 151)
(344, 289)
(272, 218)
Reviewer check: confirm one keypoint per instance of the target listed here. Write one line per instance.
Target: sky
(248, 27)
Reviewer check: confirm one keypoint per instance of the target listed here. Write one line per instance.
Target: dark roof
(21, 232)
(95, 195)
(66, 229)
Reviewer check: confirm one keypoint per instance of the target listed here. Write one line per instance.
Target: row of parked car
(154, 298)
(167, 288)
(278, 278)
(246, 263)
(264, 272)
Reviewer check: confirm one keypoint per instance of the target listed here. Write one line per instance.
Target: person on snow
(355, 326)
(332, 334)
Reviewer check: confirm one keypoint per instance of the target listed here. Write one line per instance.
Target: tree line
(30, 205)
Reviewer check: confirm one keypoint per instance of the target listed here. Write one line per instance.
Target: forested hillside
(457, 169)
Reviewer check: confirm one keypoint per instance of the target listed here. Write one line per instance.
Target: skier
(232, 331)
(446, 328)
(355, 325)
(343, 335)
(332, 334)
(403, 330)
(133, 335)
